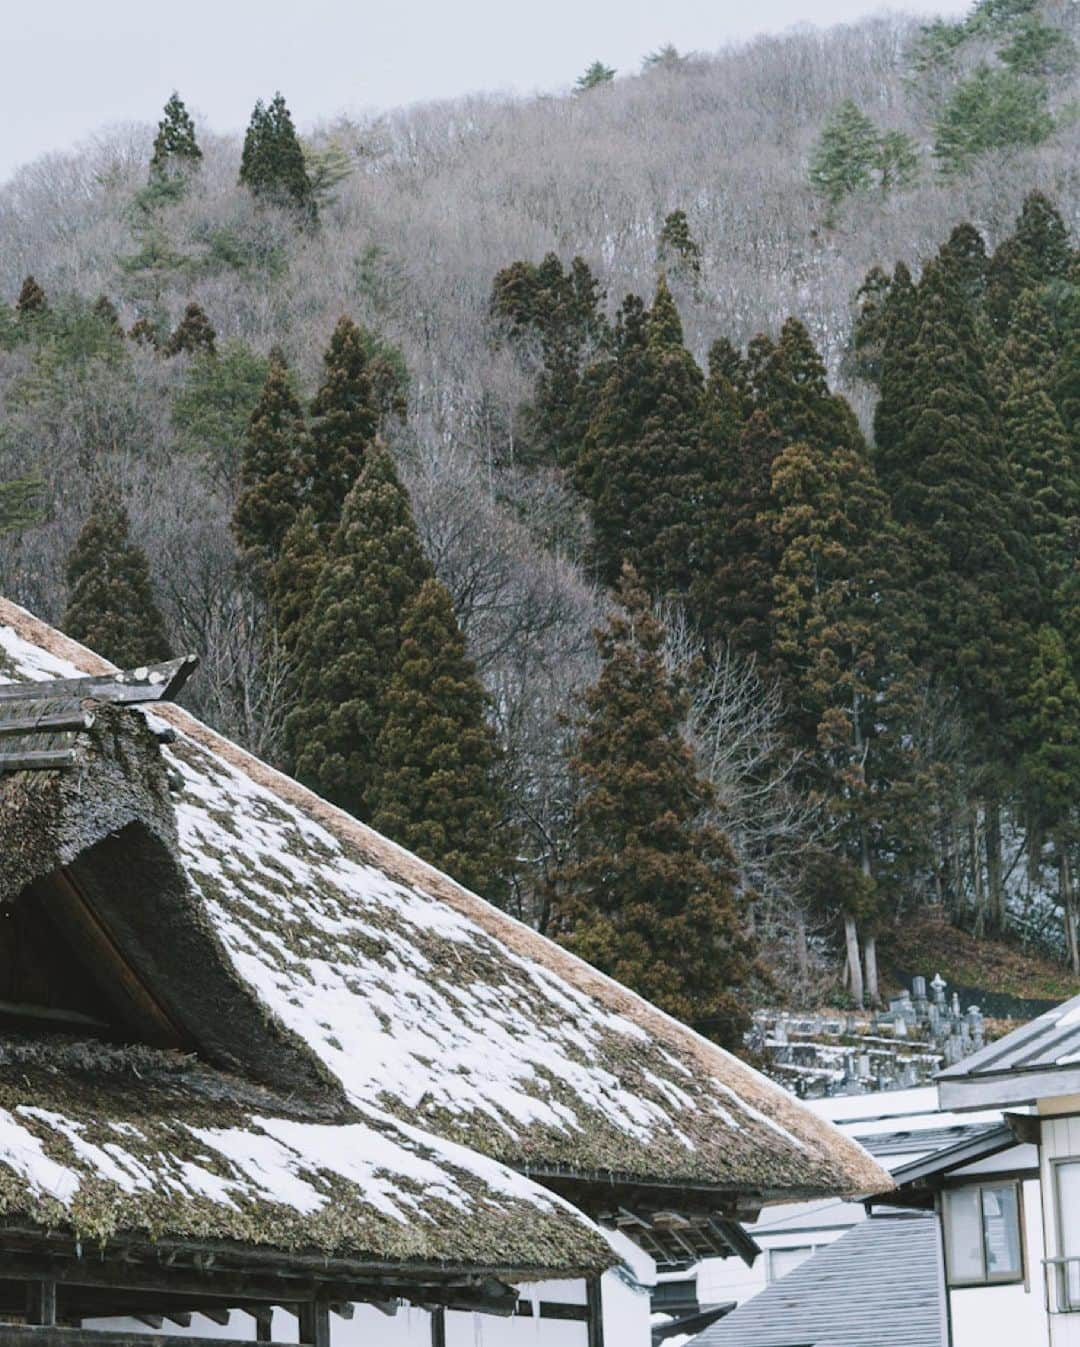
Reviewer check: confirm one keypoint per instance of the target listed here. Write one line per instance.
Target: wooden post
(438, 1327)
(264, 1320)
(595, 1303)
(315, 1323)
(41, 1303)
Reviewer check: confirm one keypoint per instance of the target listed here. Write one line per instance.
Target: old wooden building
(254, 1057)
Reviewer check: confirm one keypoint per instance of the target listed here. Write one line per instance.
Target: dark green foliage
(1047, 473)
(868, 329)
(1036, 253)
(963, 256)
(649, 895)
(1038, 49)
(435, 789)
(111, 606)
(646, 467)
(273, 468)
(20, 504)
(291, 583)
(895, 333)
(346, 649)
(733, 600)
(593, 77)
(272, 165)
(949, 480)
(193, 335)
(344, 419)
(175, 148)
(841, 647)
(897, 161)
(993, 109)
(794, 392)
(31, 302)
(846, 153)
(212, 408)
(554, 318)
(1051, 710)
(677, 249)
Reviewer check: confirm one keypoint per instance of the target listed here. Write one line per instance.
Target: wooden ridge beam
(149, 683)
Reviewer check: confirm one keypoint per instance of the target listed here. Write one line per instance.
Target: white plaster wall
(1014, 1316)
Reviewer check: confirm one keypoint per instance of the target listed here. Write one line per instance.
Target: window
(982, 1234)
(783, 1261)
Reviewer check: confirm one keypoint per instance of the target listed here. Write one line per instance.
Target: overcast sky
(73, 66)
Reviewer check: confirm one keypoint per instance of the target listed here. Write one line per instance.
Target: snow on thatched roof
(108, 1140)
(428, 1005)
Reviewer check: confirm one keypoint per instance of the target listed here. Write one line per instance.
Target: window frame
(1064, 1304)
(1013, 1278)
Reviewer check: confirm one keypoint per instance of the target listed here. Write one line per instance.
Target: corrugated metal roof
(880, 1285)
(1052, 1040)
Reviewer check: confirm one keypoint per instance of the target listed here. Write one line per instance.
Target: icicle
(534, 1301)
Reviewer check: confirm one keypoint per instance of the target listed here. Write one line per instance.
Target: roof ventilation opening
(61, 971)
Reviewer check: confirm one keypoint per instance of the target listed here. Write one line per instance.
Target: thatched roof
(381, 983)
(108, 1141)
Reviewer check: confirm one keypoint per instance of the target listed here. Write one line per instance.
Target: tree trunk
(802, 952)
(995, 870)
(976, 873)
(1068, 903)
(873, 996)
(854, 963)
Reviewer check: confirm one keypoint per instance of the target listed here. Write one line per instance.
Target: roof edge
(856, 1173)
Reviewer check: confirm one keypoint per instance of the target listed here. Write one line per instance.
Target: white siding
(1060, 1141)
(983, 1316)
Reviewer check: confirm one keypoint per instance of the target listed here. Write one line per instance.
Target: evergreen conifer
(435, 787)
(193, 335)
(272, 165)
(175, 147)
(291, 582)
(346, 649)
(595, 75)
(649, 895)
(344, 419)
(111, 606)
(677, 249)
(846, 153)
(273, 468)
(1036, 253)
(31, 302)
(646, 467)
(733, 601)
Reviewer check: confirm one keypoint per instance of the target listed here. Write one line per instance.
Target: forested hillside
(766, 364)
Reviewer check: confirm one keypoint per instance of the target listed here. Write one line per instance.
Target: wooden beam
(41, 1302)
(264, 1321)
(69, 906)
(595, 1321)
(42, 722)
(36, 760)
(152, 683)
(20, 1335)
(315, 1323)
(553, 1309)
(438, 1327)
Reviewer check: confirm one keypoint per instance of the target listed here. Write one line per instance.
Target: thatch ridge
(831, 1162)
